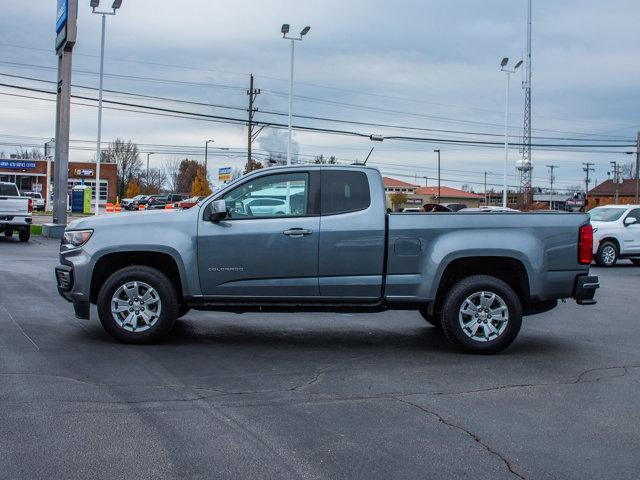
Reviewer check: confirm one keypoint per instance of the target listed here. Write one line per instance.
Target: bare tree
(34, 153)
(127, 158)
(155, 183)
(321, 159)
(172, 172)
(628, 170)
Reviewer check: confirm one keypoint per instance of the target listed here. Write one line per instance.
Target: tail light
(30, 203)
(585, 244)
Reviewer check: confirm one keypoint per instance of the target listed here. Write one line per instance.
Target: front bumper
(585, 289)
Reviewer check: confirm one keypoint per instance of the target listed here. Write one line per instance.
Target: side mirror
(218, 211)
(629, 221)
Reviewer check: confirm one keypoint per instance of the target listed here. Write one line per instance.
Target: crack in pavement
(19, 327)
(469, 433)
(579, 379)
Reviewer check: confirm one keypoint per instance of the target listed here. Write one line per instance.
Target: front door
(632, 233)
(268, 247)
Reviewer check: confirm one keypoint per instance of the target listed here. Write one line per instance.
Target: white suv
(616, 234)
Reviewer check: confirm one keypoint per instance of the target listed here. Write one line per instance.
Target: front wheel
(138, 304)
(8, 232)
(481, 314)
(607, 255)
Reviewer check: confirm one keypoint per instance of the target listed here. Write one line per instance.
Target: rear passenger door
(352, 236)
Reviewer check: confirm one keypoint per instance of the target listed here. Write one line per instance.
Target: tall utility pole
(503, 68)
(437, 150)
(426, 181)
(616, 179)
(551, 180)
(116, 5)
(587, 179)
(638, 168)
(527, 168)
(485, 187)
(252, 92)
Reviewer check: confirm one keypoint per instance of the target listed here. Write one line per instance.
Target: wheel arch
(110, 263)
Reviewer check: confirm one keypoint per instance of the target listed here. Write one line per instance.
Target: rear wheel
(24, 234)
(481, 314)
(607, 255)
(138, 304)
(8, 232)
(430, 319)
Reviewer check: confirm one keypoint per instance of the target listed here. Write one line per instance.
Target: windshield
(604, 214)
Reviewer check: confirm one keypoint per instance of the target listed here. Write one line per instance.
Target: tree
(155, 183)
(236, 173)
(253, 165)
(25, 154)
(127, 158)
(200, 186)
(186, 175)
(398, 199)
(628, 170)
(172, 172)
(320, 159)
(133, 188)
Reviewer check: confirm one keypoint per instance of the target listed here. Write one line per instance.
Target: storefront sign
(414, 201)
(22, 164)
(83, 172)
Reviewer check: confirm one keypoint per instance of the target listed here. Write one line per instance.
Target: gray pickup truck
(318, 238)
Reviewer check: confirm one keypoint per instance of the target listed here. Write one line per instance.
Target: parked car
(336, 249)
(455, 207)
(156, 202)
(412, 209)
(38, 200)
(488, 209)
(189, 202)
(616, 234)
(263, 206)
(15, 212)
(126, 203)
(435, 208)
(137, 201)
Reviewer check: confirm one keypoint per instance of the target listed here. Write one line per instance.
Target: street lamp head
(94, 3)
(210, 141)
(305, 30)
(504, 62)
(376, 138)
(285, 29)
(437, 150)
(518, 65)
(116, 4)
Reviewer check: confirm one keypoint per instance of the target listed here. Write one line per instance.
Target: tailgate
(14, 205)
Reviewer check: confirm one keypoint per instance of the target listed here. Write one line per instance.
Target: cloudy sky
(429, 67)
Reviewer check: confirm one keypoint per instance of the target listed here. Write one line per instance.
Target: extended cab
(15, 212)
(332, 247)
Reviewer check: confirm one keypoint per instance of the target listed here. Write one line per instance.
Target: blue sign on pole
(62, 13)
(17, 164)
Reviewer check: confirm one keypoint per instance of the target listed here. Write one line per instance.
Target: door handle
(297, 232)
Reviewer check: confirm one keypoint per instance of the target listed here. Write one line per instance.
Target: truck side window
(635, 213)
(344, 191)
(269, 196)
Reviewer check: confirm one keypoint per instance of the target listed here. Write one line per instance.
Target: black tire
(24, 234)
(183, 309)
(430, 319)
(606, 251)
(456, 298)
(8, 232)
(168, 299)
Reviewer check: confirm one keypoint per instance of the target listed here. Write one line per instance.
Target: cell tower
(525, 167)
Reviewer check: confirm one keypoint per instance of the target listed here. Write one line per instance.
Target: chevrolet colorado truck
(15, 212)
(331, 247)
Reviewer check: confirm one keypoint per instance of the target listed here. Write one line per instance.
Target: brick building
(418, 196)
(30, 175)
(605, 193)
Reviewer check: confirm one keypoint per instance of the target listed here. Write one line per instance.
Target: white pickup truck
(15, 211)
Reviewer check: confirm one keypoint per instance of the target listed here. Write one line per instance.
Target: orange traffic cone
(109, 208)
(140, 207)
(117, 208)
(168, 206)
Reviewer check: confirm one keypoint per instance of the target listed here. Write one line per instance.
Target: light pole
(285, 30)
(551, 180)
(485, 186)
(115, 6)
(148, 155)
(206, 154)
(503, 68)
(437, 150)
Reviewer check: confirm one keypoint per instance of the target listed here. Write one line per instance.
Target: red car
(189, 202)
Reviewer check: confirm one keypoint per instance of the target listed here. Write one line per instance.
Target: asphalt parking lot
(313, 395)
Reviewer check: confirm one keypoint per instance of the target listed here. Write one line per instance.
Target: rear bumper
(585, 289)
(15, 220)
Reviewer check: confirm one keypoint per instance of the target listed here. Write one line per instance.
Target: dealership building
(31, 176)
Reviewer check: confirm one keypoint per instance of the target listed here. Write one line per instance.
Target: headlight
(76, 238)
